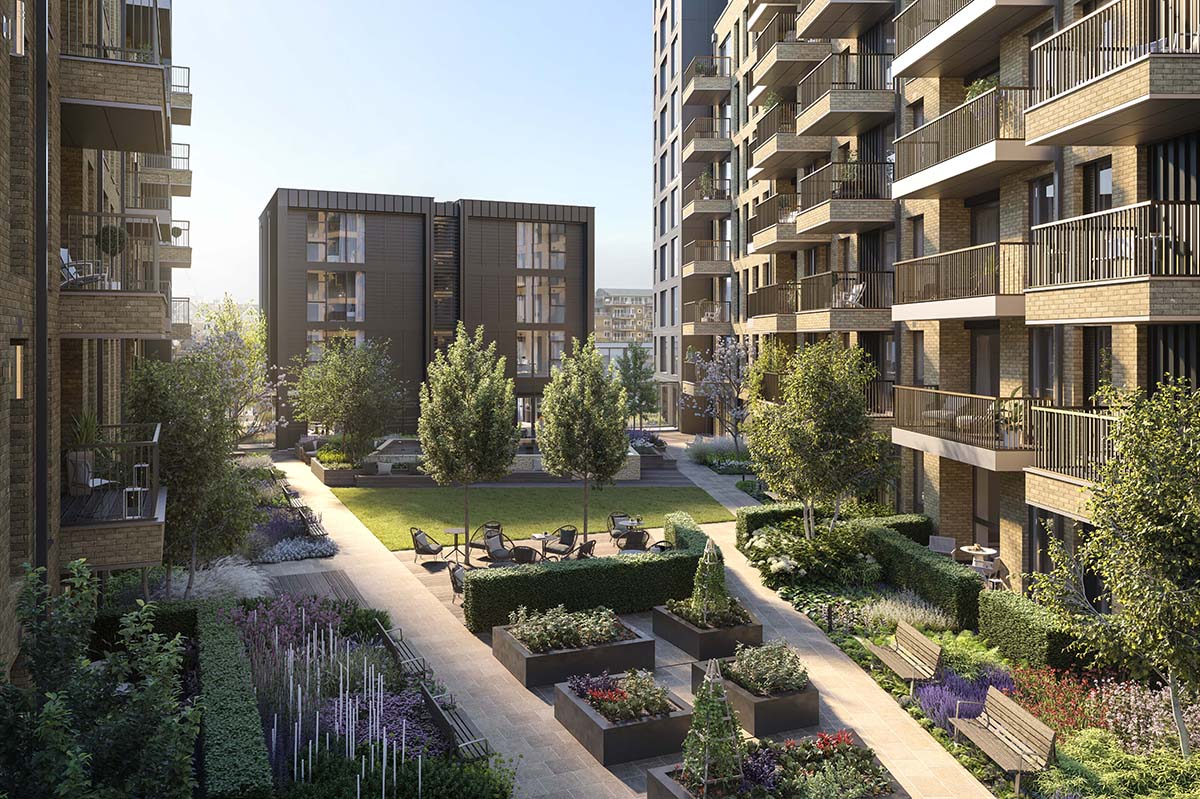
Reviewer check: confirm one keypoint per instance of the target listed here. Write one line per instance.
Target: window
(1098, 186)
(541, 299)
(16, 371)
(917, 110)
(1097, 361)
(918, 481)
(985, 223)
(918, 236)
(336, 296)
(335, 237)
(986, 507)
(1042, 207)
(529, 413)
(538, 351)
(1043, 367)
(541, 245)
(674, 256)
(918, 349)
(319, 341)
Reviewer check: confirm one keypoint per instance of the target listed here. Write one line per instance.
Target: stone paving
(520, 723)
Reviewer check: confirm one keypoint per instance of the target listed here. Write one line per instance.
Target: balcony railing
(181, 310)
(181, 80)
(706, 128)
(881, 397)
(180, 158)
(845, 71)
(111, 252)
(181, 233)
(922, 17)
(113, 478)
(981, 271)
(1149, 239)
(1072, 442)
(780, 119)
(846, 180)
(995, 115)
(778, 209)
(707, 66)
(998, 423)
(768, 387)
(823, 292)
(706, 312)
(706, 188)
(704, 250)
(781, 28)
(1108, 39)
(111, 31)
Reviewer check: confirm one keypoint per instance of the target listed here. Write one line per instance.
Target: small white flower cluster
(781, 564)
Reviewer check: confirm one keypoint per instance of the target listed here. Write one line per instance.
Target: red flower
(827, 743)
(614, 695)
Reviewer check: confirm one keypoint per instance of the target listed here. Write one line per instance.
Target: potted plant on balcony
(81, 457)
(706, 68)
(710, 623)
(706, 186)
(1010, 420)
(111, 241)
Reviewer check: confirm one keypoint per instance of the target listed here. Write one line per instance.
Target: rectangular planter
(613, 743)
(661, 785)
(768, 715)
(334, 478)
(704, 644)
(552, 667)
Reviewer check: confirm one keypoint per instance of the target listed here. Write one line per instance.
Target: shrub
(914, 526)
(785, 556)
(966, 654)
(1092, 764)
(441, 778)
(773, 668)
(1063, 701)
(231, 577)
(629, 698)
(330, 454)
(711, 450)
(281, 523)
(300, 548)
(947, 585)
(627, 584)
(752, 518)
(940, 701)
(558, 628)
(885, 613)
(1024, 631)
(1141, 717)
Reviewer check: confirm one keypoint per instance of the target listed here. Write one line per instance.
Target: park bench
(914, 657)
(312, 521)
(468, 743)
(410, 663)
(1008, 734)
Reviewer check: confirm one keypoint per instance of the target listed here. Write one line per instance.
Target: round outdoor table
(978, 553)
(543, 539)
(457, 532)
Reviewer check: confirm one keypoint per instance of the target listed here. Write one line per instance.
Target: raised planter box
(613, 743)
(552, 667)
(704, 644)
(334, 478)
(661, 785)
(768, 715)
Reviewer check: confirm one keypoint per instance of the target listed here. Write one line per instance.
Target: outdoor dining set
(627, 533)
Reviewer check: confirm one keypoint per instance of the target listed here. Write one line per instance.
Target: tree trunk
(737, 451)
(808, 518)
(586, 486)
(187, 591)
(467, 522)
(167, 581)
(837, 509)
(1185, 745)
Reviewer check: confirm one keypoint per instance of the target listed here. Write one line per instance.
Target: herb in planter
(558, 628)
(773, 668)
(710, 605)
(629, 698)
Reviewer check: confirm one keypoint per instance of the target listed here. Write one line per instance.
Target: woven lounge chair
(565, 543)
(586, 550)
(422, 544)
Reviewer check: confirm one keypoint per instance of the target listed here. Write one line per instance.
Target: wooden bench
(468, 743)
(410, 663)
(1008, 734)
(311, 521)
(914, 657)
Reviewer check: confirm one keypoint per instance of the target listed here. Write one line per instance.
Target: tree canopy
(636, 372)
(236, 338)
(721, 378)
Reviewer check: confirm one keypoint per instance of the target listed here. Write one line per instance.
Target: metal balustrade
(995, 115)
(845, 180)
(706, 128)
(112, 478)
(997, 423)
(921, 18)
(981, 271)
(1073, 442)
(823, 292)
(706, 312)
(706, 250)
(111, 30)
(845, 72)
(780, 119)
(111, 252)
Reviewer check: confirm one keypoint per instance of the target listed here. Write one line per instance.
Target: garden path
(721, 487)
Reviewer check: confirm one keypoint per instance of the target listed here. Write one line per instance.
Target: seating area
(914, 657)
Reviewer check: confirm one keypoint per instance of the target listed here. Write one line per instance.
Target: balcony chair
(81, 275)
(851, 298)
(565, 544)
(586, 550)
(943, 545)
(422, 545)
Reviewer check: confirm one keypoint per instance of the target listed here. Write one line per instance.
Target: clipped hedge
(755, 517)
(1024, 631)
(950, 586)
(624, 583)
(913, 526)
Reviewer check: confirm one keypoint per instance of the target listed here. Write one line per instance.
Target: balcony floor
(991, 306)
(103, 505)
(968, 40)
(982, 454)
(977, 170)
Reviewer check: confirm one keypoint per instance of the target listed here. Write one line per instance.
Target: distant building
(624, 316)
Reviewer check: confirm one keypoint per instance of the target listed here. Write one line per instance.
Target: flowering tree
(1145, 547)
(582, 430)
(236, 338)
(712, 751)
(721, 379)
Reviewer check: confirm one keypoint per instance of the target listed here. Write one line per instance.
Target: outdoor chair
(498, 546)
(477, 537)
(586, 550)
(943, 545)
(659, 547)
(80, 274)
(524, 554)
(457, 573)
(565, 543)
(614, 524)
(422, 545)
(634, 541)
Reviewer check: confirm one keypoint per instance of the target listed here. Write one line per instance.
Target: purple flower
(583, 684)
(283, 621)
(760, 769)
(404, 716)
(941, 700)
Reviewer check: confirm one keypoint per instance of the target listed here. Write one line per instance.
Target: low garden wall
(623, 583)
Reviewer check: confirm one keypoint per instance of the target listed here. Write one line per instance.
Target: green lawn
(389, 512)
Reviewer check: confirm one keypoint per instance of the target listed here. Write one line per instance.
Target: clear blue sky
(530, 100)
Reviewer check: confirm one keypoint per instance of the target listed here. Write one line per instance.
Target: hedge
(915, 526)
(950, 586)
(624, 583)
(1024, 631)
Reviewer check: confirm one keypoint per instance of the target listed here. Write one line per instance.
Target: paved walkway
(722, 487)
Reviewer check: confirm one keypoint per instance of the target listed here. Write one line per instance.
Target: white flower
(782, 564)
(760, 542)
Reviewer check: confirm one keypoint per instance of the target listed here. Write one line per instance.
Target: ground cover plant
(389, 512)
(558, 628)
(630, 697)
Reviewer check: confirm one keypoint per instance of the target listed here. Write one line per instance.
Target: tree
(115, 727)
(1145, 545)
(582, 430)
(237, 339)
(817, 443)
(721, 379)
(353, 390)
(468, 426)
(637, 377)
(712, 750)
(209, 510)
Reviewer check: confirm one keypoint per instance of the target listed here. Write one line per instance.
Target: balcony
(706, 199)
(776, 150)
(840, 19)
(113, 509)
(981, 282)
(174, 169)
(148, 199)
(846, 197)
(780, 58)
(994, 433)
(1125, 74)
(181, 318)
(112, 282)
(878, 391)
(1072, 445)
(181, 95)
(707, 80)
(113, 86)
(773, 227)
(706, 140)
(956, 37)
(825, 302)
(707, 318)
(1151, 249)
(707, 259)
(175, 249)
(967, 150)
(845, 95)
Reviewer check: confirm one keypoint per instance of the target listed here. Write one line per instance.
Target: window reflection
(541, 245)
(320, 340)
(539, 351)
(335, 237)
(336, 296)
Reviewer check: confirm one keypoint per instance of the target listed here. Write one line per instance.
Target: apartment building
(346, 265)
(75, 481)
(997, 201)
(625, 316)
(682, 30)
